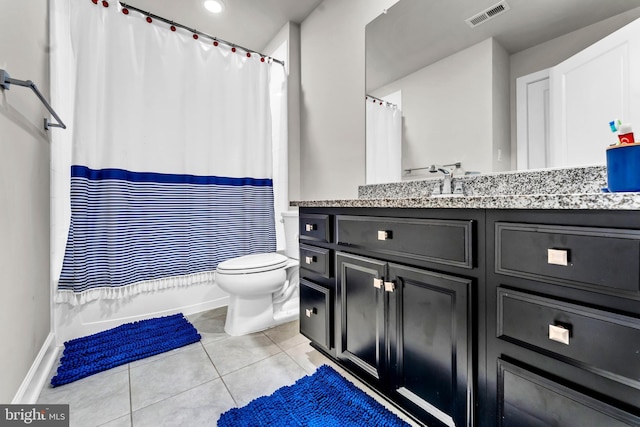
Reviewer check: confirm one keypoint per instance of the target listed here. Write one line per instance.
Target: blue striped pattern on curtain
(130, 227)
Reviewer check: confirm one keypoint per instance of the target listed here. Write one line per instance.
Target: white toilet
(263, 288)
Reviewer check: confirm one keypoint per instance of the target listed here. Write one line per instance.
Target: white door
(532, 97)
(589, 90)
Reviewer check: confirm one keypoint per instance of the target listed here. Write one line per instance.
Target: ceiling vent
(487, 14)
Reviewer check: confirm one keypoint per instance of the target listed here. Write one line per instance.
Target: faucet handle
(446, 184)
(457, 188)
(436, 189)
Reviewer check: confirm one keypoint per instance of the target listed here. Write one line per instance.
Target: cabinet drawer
(315, 227)
(316, 259)
(596, 340)
(602, 258)
(315, 316)
(442, 241)
(528, 399)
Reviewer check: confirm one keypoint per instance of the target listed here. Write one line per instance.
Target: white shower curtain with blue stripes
(171, 154)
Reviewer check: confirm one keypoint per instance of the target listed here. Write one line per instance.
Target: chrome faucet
(446, 183)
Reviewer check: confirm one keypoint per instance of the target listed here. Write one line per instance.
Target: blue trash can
(623, 167)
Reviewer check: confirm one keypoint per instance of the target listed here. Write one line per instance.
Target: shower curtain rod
(6, 81)
(194, 31)
(389, 104)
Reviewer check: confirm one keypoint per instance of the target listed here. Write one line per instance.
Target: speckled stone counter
(548, 181)
(571, 188)
(610, 201)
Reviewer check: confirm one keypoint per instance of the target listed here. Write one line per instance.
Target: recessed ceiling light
(214, 6)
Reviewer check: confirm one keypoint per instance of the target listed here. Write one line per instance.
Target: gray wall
(332, 144)
(448, 111)
(24, 193)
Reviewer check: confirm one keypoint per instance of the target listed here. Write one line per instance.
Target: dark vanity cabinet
(406, 291)
(563, 326)
(486, 317)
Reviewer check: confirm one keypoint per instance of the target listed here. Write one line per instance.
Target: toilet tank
(290, 221)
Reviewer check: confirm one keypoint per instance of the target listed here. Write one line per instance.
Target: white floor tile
(234, 353)
(200, 406)
(119, 422)
(169, 376)
(210, 328)
(94, 400)
(262, 378)
(287, 335)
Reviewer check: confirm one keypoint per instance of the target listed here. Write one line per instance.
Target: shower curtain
(383, 142)
(170, 146)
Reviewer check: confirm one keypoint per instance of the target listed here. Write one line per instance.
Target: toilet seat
(255, 263)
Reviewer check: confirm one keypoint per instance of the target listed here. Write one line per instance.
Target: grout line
(235, 402)
(130, 396)
(210, 360)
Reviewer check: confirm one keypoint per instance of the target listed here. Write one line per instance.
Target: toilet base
(257, 314)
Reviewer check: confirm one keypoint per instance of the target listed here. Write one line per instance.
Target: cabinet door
(432, 345)
(315, 313)
(362, 323)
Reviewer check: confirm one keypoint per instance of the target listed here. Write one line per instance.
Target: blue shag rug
(89, 355)
(324, 399)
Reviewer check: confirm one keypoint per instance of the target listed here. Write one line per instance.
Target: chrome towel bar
(6, 81)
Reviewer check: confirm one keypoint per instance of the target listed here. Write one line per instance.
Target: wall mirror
(452, 68)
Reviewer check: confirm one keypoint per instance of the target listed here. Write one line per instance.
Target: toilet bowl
(263, 288)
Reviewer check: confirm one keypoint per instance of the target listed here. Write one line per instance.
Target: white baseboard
(38, 374)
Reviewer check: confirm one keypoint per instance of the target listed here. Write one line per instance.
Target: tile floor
(193, 385)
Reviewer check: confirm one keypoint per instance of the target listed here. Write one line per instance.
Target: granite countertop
(566, 188)
(607, 201)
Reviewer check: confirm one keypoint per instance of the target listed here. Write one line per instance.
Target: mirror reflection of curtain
(384, 142)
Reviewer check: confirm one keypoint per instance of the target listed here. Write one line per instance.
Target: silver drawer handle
(310, 311)
(310, 227)
(309, 259)
(378, 283)
(384, 235)
(389, 286)
(558, 257)
(559, 334)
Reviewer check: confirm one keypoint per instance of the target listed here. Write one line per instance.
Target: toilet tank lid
(253, 263)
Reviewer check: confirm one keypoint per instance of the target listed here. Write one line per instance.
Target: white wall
(501, 123)
(332, 144)
(24, 193)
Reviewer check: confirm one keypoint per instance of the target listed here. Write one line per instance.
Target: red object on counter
(626, 138)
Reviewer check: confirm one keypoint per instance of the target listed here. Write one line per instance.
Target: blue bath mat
(324, 399)
(114, 347)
